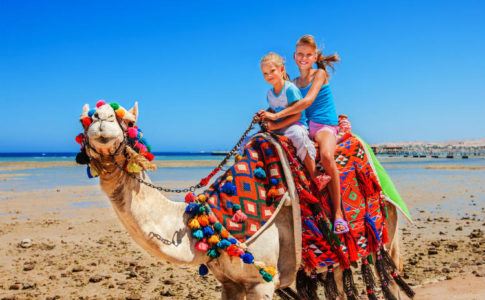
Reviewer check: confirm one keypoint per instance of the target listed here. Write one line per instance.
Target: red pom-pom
(190, 197)
(259, 164)
(132, 132)
(234, 250)
(80, 138)
(100, 103)
(149, 156)
(86, 121)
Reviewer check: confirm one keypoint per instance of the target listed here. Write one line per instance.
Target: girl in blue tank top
(319, 107)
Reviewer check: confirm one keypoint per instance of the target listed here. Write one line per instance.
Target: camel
(146, 213)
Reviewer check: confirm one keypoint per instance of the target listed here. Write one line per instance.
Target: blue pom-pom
(208, 231)
(91, 112)
(223, 244)
(232, 240)
(229, 204)
(247, 258)
(198, 234)
(88, 172)
(260, 173)
(274, 181)
(213, 253)
(203, 270)
(143, 141)
(139, 136)
(229, 188)
(192, 208)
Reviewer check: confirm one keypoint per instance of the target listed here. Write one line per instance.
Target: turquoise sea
(453, 183)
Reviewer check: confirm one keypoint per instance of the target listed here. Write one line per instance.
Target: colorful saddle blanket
(246, 196)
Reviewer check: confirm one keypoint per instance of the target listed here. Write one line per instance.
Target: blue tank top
(322, 110)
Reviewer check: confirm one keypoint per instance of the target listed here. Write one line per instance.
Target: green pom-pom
(202, 209)
(213, 253)
(114, 105)
(236, 207)
(149, 148)
(218, 226)
(266, 276)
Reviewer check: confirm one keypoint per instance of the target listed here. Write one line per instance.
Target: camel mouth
(104, 140)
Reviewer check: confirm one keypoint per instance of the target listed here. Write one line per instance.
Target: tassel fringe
(349, 285)
(329, 284)
(306, 286)
(369, 280)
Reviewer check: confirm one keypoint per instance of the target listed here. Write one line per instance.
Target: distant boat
(464, 156)
(435, 156)
(449, 156)
(422, 155)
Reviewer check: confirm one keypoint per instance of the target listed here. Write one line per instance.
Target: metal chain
(200, 184)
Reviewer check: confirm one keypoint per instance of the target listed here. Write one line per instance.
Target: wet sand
(66, 242)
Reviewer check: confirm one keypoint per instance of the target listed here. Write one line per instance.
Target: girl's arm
(319, 80)
(284, 123)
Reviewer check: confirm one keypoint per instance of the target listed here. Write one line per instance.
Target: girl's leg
(327, 143)
(304, 146)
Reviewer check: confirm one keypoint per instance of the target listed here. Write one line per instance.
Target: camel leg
(339, 276)
(260, 291)
(232, 291)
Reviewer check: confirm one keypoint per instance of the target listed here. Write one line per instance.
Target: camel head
(110, 132)
(105, 127)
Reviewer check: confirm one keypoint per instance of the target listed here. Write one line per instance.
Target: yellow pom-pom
(133, 168)
(224, 234)
(194, 224)
(273, 192)
(202, 198)
(238, 157)
(120, 112)
(270, 270)
(229, 178)
(214, 239)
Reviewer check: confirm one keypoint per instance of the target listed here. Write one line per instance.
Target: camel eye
(96, 115)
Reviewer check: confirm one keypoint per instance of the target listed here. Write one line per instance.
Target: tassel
(329, 284)
(351, 247)
(239, 217)
(385, 234)
(369, 280)
(389, 264)
(371, 234)
(368, 184)
(403, 285)
(306, 286)
(349, 285)
(307, 197)
(384, 277)
(291, 292)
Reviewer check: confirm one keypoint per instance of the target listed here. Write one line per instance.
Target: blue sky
(410, 70)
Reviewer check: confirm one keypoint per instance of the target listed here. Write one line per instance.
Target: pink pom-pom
(189, 197)
(100, 103)
(212, 219)
(202, 246)
(239, 217)
(132, 132)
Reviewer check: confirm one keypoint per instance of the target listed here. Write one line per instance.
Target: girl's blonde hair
(323, 61)
(277, 60)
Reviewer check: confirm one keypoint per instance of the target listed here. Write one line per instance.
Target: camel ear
(85, 110)
(134, 111)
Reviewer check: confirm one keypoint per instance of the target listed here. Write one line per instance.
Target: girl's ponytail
(324, 61)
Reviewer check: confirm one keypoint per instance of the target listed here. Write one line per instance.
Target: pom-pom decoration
(189, 197)
(80, 138)
(202, 246)
(239, 217)
(260, 173)
(100, 103)
(203, 270)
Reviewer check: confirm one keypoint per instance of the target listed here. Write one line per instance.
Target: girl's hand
(270, 126)
(265, 115)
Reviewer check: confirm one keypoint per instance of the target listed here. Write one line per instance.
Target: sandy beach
(65, 242)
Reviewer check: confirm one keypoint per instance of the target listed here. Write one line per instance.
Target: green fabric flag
(388, 187)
